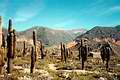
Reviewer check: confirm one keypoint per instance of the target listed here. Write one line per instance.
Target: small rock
(101, 78)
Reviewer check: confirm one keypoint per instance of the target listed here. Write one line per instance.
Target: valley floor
(52, 68)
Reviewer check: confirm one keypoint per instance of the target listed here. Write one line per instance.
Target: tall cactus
(41, 50)
(24, 46)
(3, 41)
(32, 59)
(10, 52)
(67, 53)
(14, 42)
(10, 26)
(34, 43)
(105, 54)
(80, 46)
(64, 51)
(61, 44)
(83, 53)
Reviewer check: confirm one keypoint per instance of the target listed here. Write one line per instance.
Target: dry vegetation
(48, 63)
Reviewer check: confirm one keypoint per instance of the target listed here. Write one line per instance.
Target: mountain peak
(100, 31)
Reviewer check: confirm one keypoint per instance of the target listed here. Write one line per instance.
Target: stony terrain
(51, 68)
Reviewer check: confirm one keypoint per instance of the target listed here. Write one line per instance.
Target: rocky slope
(102, 32)
(49, 36)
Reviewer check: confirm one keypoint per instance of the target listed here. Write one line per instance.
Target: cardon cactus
(10, 26)
(83, 53)
(41, 50)
(10, 48)
(32, 59)
(64, 53)
(61, 48)
(34, 43)
(24, 46)
(10, 55)
(105, 53)
(3, 41)
(80, 46)
(14, 42)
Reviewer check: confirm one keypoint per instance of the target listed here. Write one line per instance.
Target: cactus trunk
(34, 43)
(14, 42)
(61, 51)
(24, 51)
(10, 52)
(32, 60)
(41, 50)
(64, 51)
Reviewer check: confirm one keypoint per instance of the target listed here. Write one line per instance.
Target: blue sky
(60, 14)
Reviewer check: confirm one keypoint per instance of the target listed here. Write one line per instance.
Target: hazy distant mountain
(100, 31)
(51, 36)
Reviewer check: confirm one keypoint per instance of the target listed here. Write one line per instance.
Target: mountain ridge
(47, 35)
(101, 31)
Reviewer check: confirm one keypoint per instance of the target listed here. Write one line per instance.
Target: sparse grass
(72, 64)
(20, 61)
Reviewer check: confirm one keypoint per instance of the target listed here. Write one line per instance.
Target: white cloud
(110, 10)
(27, 12)
(64, 23)
(115, 8)
(24, 15)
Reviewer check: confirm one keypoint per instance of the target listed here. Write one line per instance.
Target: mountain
(102, 32)
(96, 34)
(51, 36)
(76, 32)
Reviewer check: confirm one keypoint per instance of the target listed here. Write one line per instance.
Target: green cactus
(83, 53)
(80, 45)
(3, 41)
(14, 42)
(34, 43)
(41, 50)
(32, 59)
(24, 51)
(10, 55)
(64, 51)
(61, 51)
(10, 26)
